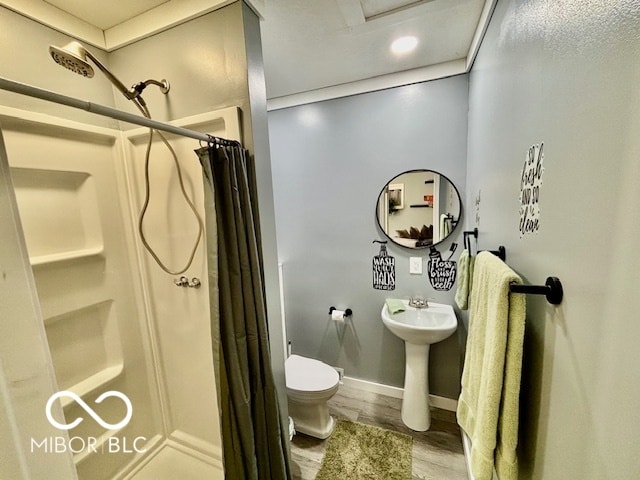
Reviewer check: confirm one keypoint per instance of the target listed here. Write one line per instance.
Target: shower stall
(113, 320)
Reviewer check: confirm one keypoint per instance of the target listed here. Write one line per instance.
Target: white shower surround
(177, 384)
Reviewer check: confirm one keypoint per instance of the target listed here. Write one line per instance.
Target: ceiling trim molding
(160, 18)
(382, 82)
(483, 24)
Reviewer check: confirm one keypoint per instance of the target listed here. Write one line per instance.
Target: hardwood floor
(437, 453)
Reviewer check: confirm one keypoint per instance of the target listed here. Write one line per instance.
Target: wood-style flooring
(437, 453)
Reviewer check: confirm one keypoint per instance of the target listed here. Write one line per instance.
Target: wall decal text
(442, 273)
(477, 205)
(384, 269)
(530, 183)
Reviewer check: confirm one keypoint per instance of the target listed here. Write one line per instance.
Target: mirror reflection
(418, 208)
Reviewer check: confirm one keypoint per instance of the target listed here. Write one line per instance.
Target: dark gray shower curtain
(254, 444)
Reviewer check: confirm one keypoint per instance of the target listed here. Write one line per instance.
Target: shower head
(73, 56)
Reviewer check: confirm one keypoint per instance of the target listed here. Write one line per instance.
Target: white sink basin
(421, 326)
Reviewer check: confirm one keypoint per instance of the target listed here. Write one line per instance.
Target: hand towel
(445, 226)
(394, 305)
(465, 274)
(488, 404)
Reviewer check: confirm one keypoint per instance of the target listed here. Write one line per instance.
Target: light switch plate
(415, 265)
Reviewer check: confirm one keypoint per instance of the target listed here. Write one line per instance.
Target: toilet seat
(310, 384)
(306, 375)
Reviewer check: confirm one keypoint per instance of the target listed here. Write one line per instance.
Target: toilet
(310, 383)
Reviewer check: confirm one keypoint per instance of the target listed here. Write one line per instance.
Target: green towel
(488, 403)
(464, 273)
(394, 305)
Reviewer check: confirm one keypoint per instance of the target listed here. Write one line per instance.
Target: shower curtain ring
(213, 141)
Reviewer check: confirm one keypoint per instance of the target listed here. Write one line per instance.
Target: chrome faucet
(418, 302)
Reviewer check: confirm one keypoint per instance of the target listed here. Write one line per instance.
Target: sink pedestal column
(415, 401)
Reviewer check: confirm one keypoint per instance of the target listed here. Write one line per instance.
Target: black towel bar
(552, 289)
(466, 241)
(501, 253)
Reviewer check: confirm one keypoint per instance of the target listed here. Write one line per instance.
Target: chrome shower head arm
(130, 94)
(162, 84)
(73, 56)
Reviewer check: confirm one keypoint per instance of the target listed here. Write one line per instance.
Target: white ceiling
(309, 45)
(313, 49)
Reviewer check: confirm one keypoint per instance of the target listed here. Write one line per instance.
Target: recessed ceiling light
(404, 45)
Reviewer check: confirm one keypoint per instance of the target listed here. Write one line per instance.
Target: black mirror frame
(412, 171)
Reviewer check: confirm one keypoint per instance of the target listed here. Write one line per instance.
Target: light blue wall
(567, 73)
(330, 160)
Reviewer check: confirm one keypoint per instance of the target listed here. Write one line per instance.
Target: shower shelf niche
(93, 383)
(40, 260)
(91, 334)
(59, 213)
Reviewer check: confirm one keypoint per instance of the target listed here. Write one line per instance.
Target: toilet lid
(309, 375)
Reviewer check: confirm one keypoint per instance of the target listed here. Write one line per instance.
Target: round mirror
(418, 208)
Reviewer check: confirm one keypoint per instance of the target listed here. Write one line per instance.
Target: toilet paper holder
(347, 313)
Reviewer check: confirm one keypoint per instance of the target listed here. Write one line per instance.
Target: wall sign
(384, 269)
(442, 273)
(530, 182)
(477, 205)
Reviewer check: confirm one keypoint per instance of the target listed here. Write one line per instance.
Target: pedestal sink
(419, 328)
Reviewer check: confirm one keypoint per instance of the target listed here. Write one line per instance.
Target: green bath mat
(361, 452)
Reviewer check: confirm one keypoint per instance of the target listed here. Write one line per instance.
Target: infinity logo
(89, 410)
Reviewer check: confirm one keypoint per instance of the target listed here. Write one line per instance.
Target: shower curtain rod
(31, 91)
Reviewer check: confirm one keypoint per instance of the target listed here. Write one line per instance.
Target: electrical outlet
(340, 373)
(415, 265)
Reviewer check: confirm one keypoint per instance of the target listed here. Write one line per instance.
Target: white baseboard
(396, 392)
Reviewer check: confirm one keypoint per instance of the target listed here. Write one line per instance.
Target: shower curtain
(254, 444)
